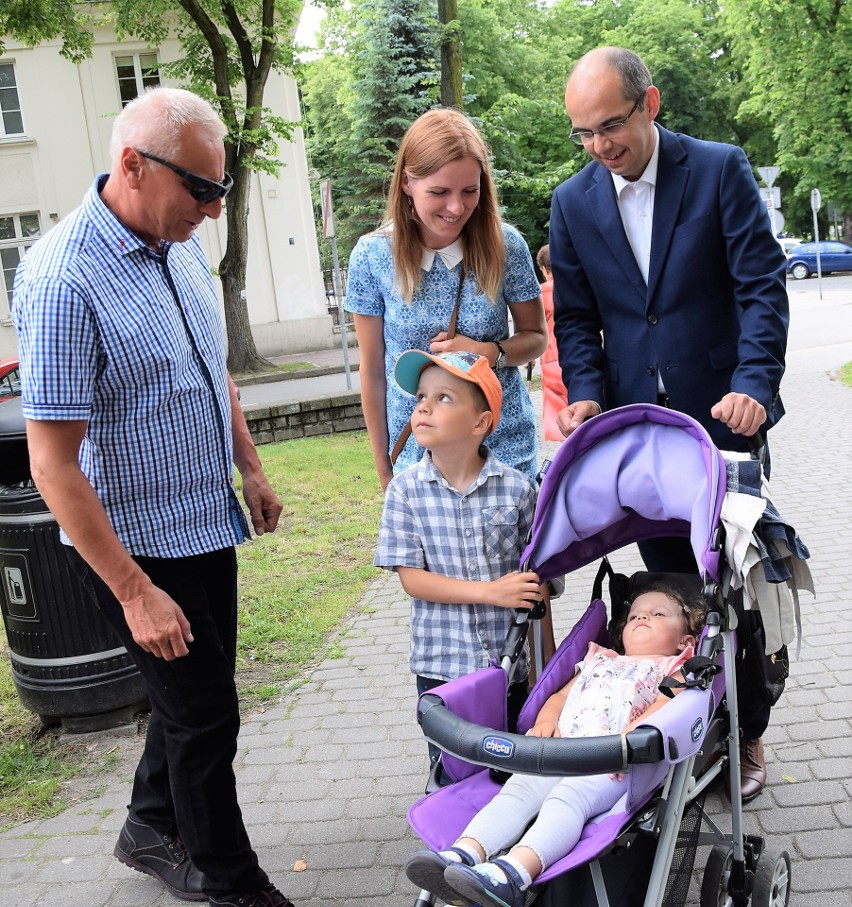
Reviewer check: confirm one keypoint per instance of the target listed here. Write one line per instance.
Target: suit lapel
(672, 176)
(603, 204)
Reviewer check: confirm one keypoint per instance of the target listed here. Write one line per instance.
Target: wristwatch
(500, 361)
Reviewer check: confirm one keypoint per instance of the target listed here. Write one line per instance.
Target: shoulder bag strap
(451, 332)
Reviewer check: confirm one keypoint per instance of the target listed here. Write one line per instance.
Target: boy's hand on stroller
(741, 413)
(546, 727)
(516, 590)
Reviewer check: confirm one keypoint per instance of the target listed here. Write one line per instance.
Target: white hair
(155, 120)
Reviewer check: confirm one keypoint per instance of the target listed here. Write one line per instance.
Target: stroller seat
(440, 817)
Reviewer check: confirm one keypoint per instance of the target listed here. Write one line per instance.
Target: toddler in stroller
(608, 694)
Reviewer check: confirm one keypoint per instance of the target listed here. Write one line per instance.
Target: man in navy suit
(669, 286)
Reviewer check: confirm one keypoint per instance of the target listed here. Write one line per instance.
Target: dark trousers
(674, 555)
(185, 780)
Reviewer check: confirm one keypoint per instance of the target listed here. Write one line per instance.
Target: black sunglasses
(199, 187)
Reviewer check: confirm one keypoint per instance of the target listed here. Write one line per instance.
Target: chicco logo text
(697, 729)
(498, 746)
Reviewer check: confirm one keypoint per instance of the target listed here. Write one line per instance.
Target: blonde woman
(442, 229)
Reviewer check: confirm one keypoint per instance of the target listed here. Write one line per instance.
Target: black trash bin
(68, 666)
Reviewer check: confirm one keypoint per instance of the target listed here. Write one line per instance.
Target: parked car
(10, 379)
(833, 256)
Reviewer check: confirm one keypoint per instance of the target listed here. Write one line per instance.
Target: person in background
(442, 235)
(133, 427)
(669, 287)
(554, 397)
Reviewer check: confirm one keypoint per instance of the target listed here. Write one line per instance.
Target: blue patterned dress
(371, 291)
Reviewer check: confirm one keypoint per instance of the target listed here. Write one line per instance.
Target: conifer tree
(396, 79)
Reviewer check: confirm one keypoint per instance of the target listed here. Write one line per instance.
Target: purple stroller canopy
(632, 473)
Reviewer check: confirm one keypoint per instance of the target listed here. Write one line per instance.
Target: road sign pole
(816, 203)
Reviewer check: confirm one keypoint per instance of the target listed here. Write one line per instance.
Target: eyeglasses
(199, 187)
(587, 136)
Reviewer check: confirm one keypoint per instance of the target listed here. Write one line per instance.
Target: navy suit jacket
(713, 317)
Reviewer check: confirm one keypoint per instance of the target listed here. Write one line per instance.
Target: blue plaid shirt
(131, 342)
(477, 535)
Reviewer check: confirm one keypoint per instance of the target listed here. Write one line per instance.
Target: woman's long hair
(434, 139)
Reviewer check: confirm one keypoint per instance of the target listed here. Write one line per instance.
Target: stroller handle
(536, 755)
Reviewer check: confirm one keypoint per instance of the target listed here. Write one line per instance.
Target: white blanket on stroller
(778, 601)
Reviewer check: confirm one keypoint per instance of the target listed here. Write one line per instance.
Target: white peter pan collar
(451, 255)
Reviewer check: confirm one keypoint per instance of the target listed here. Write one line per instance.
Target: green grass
(296, 586)
(31, 773)
(845, 374)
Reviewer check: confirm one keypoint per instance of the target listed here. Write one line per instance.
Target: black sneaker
(268, 896)
(162, 856)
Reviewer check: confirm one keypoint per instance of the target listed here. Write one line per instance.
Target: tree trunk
(451, 74)
(242, 352)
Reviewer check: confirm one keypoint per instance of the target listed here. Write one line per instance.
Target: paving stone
(17, 848)
(828, 844)
(15, 895)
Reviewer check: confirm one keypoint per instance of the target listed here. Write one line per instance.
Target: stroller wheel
(717, 876)
(772, 879)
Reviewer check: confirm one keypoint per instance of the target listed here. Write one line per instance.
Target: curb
(272, 377)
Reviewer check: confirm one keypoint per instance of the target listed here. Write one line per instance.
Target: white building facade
(55, 124)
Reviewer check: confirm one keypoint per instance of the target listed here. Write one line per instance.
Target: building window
(11, 119)
(136, 72)
(17, 233)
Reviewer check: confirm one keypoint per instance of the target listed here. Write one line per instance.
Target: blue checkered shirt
(132, 342)
(477, 535)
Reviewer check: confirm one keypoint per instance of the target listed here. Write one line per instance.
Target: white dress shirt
(636, 205)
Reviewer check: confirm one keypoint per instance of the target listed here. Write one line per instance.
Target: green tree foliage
(230, 48)
(378, 72)
(396, 79)
(767, 75)
(514, 95)
(797, 55)
(34, 21)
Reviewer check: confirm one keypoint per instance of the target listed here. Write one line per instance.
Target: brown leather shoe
(752, 770)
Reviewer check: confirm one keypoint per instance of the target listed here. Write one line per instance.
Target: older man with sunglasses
(668, 286)
(134, 427)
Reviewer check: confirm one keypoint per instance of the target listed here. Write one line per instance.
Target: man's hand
(574, 415)
(515, 590)
(158, 624)
(742, 414)
(263, 503)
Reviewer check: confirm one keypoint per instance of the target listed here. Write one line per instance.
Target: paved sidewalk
(326, 776)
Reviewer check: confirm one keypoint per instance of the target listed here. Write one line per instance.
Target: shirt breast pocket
(500, 528)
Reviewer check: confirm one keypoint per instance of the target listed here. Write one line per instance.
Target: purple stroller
(634, 473)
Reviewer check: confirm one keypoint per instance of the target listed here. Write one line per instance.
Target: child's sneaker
(425, 868)
(488, 883)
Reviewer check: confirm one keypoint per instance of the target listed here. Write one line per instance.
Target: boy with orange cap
(454, 525)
